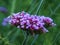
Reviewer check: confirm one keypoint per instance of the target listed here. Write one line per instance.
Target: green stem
(13, 6)
(35, 38)
(56, 38)
(39, 6)
(31, 6)
(25, 40)
(15, 35)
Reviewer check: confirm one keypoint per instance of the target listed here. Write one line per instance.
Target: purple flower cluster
(30, 23)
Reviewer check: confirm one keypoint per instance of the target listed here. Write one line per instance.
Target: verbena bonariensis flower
(3, 9)
(31, 23)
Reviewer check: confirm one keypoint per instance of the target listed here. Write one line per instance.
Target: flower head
(31, 23)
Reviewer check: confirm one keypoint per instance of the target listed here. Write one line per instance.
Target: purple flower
(5, 21)
(48, 20)
(29, 22)
(44, 30)
(3, 9)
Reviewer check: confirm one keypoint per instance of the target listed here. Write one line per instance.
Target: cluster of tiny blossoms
(30, 23)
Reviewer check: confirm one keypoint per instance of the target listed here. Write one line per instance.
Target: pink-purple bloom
(31, 23)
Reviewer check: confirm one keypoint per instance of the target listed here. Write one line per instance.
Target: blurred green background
(13, 36)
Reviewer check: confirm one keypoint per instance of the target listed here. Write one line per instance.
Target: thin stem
(25, 40)
(39, 6)
(15, 35)
(56, 38)
(31, 6)
(53, 12)
(57, 8)
(8, 34)
(13, 6)
(35, 38)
